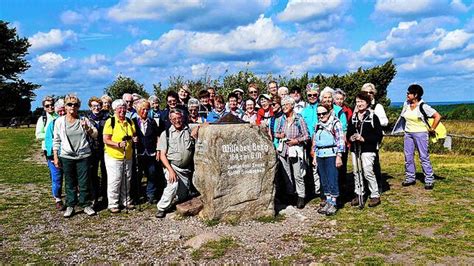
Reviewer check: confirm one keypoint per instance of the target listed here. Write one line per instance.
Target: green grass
(214, 249)
(411, 226)
(15, 147)
(420, 225)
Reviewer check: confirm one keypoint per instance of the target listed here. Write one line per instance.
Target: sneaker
(429, 186)
(89, 211)
(331, 209)
(374, 202)
(114, 210)
(69, 212)
(355, 201)
(160, 214)
(60, 206)
(322, 210)
(408, 183)
(300, 203)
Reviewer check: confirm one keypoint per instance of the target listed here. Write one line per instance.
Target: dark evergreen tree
(15, 92)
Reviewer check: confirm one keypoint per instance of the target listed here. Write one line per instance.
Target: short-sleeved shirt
(179, 147)
(121, 129)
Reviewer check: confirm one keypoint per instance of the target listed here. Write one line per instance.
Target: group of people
(131, 137)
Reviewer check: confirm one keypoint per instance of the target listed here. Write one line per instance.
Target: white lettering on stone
(243, 157)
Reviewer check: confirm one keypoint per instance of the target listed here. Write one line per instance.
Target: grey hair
(176, 111)
(47, 99)
(340, 91)
(326, 90)
(71, 96)
(126, 95)
(369, 86)
(288, 100)
(193, 102)
(136, 95)
(153, 99)
(59, 104)
(117, 103)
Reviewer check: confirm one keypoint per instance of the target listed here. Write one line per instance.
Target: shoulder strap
(340, 113)
(112, 122)
(45, 118)
(425, 116)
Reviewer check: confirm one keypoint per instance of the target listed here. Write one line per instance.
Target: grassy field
(410, 226)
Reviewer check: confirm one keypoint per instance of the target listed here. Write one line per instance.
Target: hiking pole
(124, 175)
(137, 172)
(360, 174)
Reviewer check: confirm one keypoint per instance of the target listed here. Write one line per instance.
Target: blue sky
(81, 46)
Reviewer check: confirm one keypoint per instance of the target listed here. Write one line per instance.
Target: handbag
(440, 131)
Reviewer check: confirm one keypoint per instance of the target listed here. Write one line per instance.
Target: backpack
(112, 121)
(440, 130)
(332, 131)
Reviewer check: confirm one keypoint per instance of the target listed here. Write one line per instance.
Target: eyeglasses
(253, 92)
(370, 92)
(48, 105)
(172, 101)
(130, 101)
(275, 104)
(313, 95)
(95, 106)
(322, 114)
(72, 105)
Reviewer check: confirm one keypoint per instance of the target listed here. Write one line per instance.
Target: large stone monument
(234, 170)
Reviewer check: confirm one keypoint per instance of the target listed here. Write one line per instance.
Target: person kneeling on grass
(365, 134)
(176, 147)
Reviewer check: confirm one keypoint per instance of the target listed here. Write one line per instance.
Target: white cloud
(304, 10)
(96, 59)
(71, 17)
(50, 61)
(101, 72)
(242, 43)
(466, 64)
(259, 36)
(454, 40)
(190, 14)
(407, 39)
(412, 9)
(334, 60)
(53, 39)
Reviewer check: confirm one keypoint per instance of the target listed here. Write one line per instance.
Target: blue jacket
(213, 116)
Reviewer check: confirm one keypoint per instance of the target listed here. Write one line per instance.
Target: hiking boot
(89, 211)
(60, 206)
(160, 214)
(355, 201)
(408, 183)
(331, 209)
(374, 202)
(69, 212)
(300, 203)
(114, 210)
(429, 186)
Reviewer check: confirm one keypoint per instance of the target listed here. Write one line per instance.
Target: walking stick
(124, 175)
(137, 172)
(360, 173)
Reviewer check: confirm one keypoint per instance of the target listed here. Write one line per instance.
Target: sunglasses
(322, 114)
(275, 104)
(72, 104)
(252, 92)
(48, 105)
(313, 95)
(370, 92)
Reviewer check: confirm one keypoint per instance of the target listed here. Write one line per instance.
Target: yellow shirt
(120, 130)
(414, 123)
